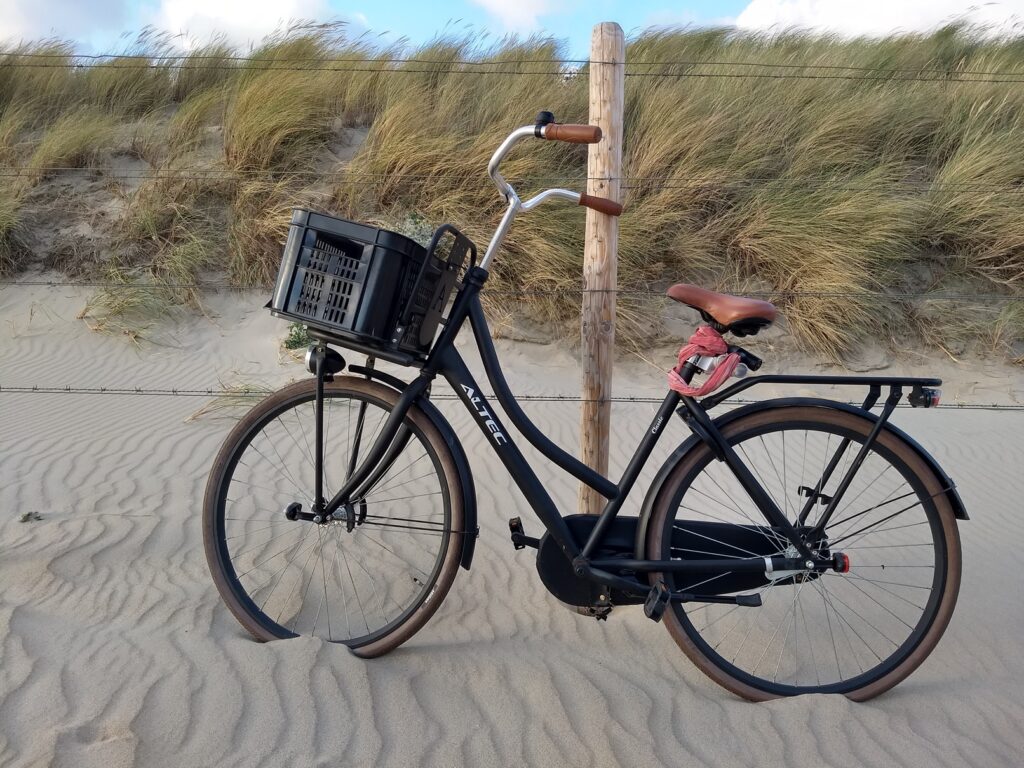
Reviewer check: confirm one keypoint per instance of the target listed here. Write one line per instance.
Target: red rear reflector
(936, 395)
(842, 561)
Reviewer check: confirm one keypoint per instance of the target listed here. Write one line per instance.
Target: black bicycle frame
(446, 360)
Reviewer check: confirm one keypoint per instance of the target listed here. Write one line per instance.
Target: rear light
(841, 562)
(925, 397)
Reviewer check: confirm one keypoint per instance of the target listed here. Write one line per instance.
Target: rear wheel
(369, 579)
(856, 633)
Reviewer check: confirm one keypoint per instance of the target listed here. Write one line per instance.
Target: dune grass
(836, 194)
(12, 250)
(72, 141)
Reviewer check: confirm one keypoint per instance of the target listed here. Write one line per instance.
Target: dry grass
(199, 110)
(276, 119)
(43, 92)
(828, 193)
(231, 398)
(14, 120)
(205, 67)
(73, 140)
(126, 307)
(260, 214)
(12, 251)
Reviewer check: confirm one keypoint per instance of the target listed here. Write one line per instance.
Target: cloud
(241, 21)
(33, 20)
(516, 15)
(685, 18)
(878, 17)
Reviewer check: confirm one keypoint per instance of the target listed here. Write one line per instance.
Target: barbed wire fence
(255, 393)
(505, 67)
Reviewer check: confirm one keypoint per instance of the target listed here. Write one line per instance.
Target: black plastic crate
(367, 288)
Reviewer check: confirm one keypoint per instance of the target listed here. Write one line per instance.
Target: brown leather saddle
(725, 313)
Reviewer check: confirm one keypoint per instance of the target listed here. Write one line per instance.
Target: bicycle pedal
(519, 538)
(657, 601)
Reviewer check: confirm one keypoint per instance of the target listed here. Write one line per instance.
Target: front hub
(345, 514)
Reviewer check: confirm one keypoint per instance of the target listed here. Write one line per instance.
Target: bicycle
(342, 506)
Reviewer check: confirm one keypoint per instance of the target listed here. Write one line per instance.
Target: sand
(116, 650)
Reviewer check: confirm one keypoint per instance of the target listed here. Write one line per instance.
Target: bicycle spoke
(341, 583)
(753, 468)
(784, 507)
(810, 645)
(778, 540)
(874, 530)
(355, 589)
(302, 570)
(406, 498)
(772, 638)
(263, 544)
(409, 528)
(856, 613)
(410, 480)
(853, 583)
(319, 533)
(810, 639)
(261, 562)
(864, 490)
(373, 586)
(309, 583)
(839, 621)
(881, 504)
(878, 584)
(279, 573)
(284, 472)
(789, 627)
(390, 551)
(716, 541)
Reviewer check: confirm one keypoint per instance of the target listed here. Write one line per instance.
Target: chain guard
(696, 539)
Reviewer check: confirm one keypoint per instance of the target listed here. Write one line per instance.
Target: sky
(98, 26)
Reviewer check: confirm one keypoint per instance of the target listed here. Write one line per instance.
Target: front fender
(693, 441)
(458, 456)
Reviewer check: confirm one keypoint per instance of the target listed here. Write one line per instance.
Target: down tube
(454, 369)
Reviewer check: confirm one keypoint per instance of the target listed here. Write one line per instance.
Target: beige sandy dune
(115, 648)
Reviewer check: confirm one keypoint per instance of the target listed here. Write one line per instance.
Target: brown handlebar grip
(601, 204)
(575, 134)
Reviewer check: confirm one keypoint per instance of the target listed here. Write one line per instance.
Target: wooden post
(600, 254)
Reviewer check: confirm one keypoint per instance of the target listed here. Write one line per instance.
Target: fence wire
(566, 67)
(258, 393)
(193, 57)
(646, 184)
(551, 292)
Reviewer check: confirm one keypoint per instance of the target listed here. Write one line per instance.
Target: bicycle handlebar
(574, 134)
(601, 204)
(544, 128)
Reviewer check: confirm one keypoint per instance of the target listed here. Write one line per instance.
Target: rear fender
(725, 419)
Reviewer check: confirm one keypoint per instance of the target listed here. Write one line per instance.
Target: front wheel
(369, 578)
(856, 633)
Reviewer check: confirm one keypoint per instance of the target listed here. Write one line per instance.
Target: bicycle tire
(682, 620)
(433, 587)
